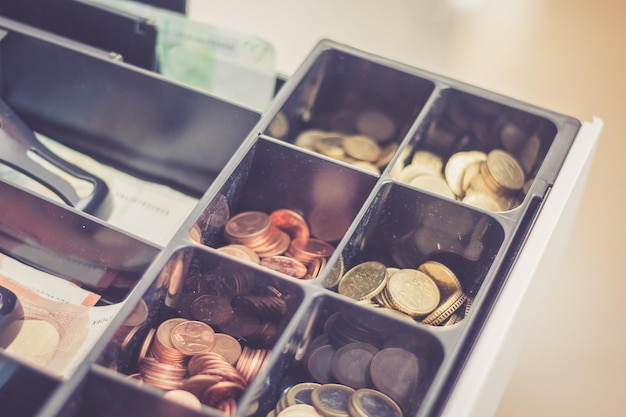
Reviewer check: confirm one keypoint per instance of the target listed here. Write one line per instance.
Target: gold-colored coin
(445, 309)
(456, 167)
(413, 292)
(428, 161)
(331, 146)
(309, 138)
(376, 125)
(363, 281)
(367, 402)
(361, 147)
(505, 170)
(433, 184)
(446, 280)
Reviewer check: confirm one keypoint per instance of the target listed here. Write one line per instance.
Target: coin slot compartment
(197, 284)
(461, 129)
(343, 95)
(23, 390)
(408, 229)
(334, 325)
(272, 176)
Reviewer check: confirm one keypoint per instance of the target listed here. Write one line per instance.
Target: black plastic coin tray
(156, 129)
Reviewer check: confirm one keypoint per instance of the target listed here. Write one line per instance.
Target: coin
(456, 167)
(334, 274)
(298, 410)
(301, 393)
(138, 316)
(306, 250)
(287, 266)
(212, 309)
(331, 400)
(290, 222)
(184, 398)
(238, 252)
(308, 138)
(31, 338)
(505, 170)
(445, 309)
(319, 364)
(363, 281)
(395, 372)
(428, 162)
(446, 280)
(197, 384)
(376, 125)
(331, 146)
(228, 347)
(246, 226)
(361, 147)
(350, 363)
(279, 126)
(367, 402)
(413, 292)
(193, 337)
(433, 184)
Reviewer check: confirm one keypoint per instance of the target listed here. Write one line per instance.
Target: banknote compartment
(274, 176)
(405, 228)
(23, 389)
(134, 120)
(245, 301)
(80, 249)
(348, 94)
(331, 324)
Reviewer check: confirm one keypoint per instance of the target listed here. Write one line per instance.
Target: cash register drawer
(331, 148)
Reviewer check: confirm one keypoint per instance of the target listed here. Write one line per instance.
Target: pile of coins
(493, 181)
(358, 150)
(431, 293)
(188, 355)
(312, 399)
(355, 353)
(279, 241)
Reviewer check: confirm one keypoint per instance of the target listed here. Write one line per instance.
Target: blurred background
(567, 56)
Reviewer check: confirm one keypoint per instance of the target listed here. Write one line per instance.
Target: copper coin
(285, 265)
(247, 226)
(312, 247)
(212, 309)
(197, 384)
(222, 391)
(184, 398)
(290, 222)
(193, 337)
(228, 347)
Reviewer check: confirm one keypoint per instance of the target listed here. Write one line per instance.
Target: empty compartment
(482, 150)
(350, 107)
(23, 390)
(207, 325)
(417, 254)
(339, 349)
(280, 201)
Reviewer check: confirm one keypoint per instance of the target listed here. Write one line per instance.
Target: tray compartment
(328, 324)
(274, 176)
(345, 94)
(405, 228)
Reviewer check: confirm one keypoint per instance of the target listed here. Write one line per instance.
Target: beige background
(568, 56)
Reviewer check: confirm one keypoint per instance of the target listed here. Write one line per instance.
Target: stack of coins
(431, 293)
(493, 181)
(359, 150)
(188, 355)
(279, 241)
(353, 353)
